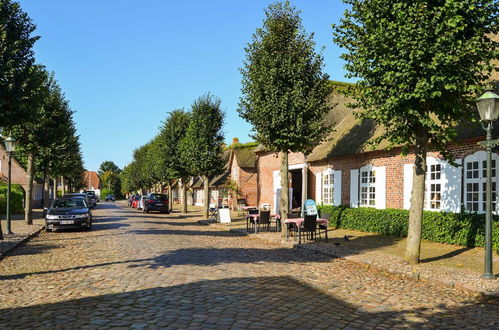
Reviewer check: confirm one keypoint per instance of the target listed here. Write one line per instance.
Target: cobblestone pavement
(137, 270)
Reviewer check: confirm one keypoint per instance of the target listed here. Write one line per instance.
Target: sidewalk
(451, 265)
(21, 230)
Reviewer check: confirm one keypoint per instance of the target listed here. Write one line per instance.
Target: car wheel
(47, 230)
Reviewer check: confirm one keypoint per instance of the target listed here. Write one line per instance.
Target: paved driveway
(154, 270)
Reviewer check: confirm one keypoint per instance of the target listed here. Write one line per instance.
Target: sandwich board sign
(310, 207)
(224, 215)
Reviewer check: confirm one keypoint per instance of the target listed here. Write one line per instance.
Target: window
(433, 187)
(328, 187)
(367, 188)
(475, 185)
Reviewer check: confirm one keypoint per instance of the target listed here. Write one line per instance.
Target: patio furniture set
(309, 225)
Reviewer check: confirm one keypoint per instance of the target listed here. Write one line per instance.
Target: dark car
(68, 212)
(91, 201)
(110, 197)
(156, 202)
(92, 193)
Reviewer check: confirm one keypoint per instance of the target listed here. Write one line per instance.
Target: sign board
(224, 216)
(310, 207)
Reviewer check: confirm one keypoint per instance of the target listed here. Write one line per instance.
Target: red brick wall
(268, 162)
(246, 180)
(18, 172)
(394, 163)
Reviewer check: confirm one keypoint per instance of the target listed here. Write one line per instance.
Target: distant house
(92, 181)
(19, 176)
(236, 182)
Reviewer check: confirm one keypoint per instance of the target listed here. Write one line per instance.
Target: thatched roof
(245, 156)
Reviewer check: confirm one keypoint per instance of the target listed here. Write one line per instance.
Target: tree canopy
(202, 144)
(16, 60)
(284, 89)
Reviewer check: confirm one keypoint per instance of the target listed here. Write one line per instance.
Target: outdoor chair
(264, 220)
(249, 219)
(213, 213)
(291, 226)
(277, 221)
(324, 216)
(309, 227)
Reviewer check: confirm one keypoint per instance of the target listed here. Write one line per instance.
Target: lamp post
(10, 147)
(488, 107)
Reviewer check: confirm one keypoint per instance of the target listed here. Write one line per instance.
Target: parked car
(141, 203)
(110, 197)
(156, 202)
(92, 193)
(135, 201)
(91, 202)
(68, 212)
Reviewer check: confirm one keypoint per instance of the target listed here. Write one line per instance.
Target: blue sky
(124, 64)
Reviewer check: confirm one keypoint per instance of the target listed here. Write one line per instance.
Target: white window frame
(434, 184)
(328, 182)
(475, 177)
(367, 186)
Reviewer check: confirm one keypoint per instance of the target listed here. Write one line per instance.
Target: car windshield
(69, 203)
(90, 192)
(158, 197)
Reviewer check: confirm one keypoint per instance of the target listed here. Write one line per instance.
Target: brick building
(237, 181)
(92, 182)
(345, 169)
(18, 176)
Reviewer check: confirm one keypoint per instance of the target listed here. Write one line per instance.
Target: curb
(415, 276)
(21, 242)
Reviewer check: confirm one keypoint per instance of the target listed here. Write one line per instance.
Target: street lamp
(488, 107)
(10, 147)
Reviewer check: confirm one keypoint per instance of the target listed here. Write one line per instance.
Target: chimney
(235, 141)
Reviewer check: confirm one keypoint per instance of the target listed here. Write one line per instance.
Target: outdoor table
(299, 221)
(255, 218)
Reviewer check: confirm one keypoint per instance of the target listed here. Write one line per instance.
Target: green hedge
(465, 229)
(17, 197)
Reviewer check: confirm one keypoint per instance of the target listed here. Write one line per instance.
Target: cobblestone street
(154, 270)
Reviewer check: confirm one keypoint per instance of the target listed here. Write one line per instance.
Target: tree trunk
(45, 194)
(63, 185)
(28, 206)
(206, 197)
(183, 192)
(170, 197)
(413, 245)
(284, 202)
(54, 190)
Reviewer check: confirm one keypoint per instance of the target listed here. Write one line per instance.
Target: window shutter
(380, 174)
(408, 176)
(337, 188)
(451, 187)
(354, 188)
(318, 188)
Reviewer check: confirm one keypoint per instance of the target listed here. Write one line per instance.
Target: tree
(108, 166)
(202, 145)
(172, 133)
(31, 132)
(284, 89)
(421, 65)
(16, 60)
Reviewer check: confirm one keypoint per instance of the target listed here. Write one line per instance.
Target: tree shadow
(186, 232)
(242, 302)
(170, 223)
(108, 226)
(447, 255)
(199, 257)
(32, 249)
